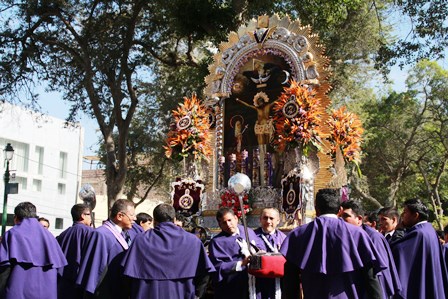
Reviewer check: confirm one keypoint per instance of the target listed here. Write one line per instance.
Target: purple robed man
(229, 254)
(352, 212)
(272, 238)
(418, 255)
(167, 262)
(73, 241)
(331, 258)
(29, 258)
(101, 274)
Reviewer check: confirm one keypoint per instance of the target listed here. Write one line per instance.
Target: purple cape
(331, 254)
(224, 254)
(266, 286)
(72, 241)
(420, 264)
(166, 257)
(34, 257)
(100, 272)
(388, 278)
(135, 230)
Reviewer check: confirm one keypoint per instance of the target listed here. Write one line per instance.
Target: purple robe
(388, 278)
(445, 254)
(34, 256)
(72, 241)
(101, 272)
(266, 286)
(166, 258)
(331, 255)
(224, 254)
(420, 264)
(135, 230)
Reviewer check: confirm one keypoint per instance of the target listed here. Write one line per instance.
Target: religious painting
(248, 124)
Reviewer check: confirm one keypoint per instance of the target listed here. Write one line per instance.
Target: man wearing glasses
(100, 273)
(72, 242)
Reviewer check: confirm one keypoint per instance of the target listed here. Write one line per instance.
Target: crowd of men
(342, 253)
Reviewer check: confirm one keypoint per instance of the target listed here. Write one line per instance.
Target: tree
(406, 148)
(426, 37)
(105, 56)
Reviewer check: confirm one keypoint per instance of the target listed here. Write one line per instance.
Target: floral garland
(297, 117)
(346, 133)
(189, 134)
(230, 199)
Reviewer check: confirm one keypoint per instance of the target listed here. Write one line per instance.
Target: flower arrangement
(189, 134)
(297, 117)
(346, 133)
(230, 199)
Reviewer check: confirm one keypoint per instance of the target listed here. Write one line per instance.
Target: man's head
(445, 233)
(163, 213)
(371, 219)
(122, 213)
(24, 210)
(179, 221)
(227, 220)
(389, 219)
(414, 211)
(144, 220)
(45, 222)
(269, 219)
(352, 212)
(81, 213)
(327, 201)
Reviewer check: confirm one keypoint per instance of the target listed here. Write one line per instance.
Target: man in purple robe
(331, 258)
(167, 262)
(101, 274)
(73, 241)
(272, 238)
(229, 253)
(418, 255)
(352, 213)
(29, 258)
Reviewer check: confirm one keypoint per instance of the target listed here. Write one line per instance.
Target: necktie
(388, 237)
(126, 237)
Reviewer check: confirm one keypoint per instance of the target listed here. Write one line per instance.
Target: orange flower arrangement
(346, 133)
(303, 128)
(189, 134)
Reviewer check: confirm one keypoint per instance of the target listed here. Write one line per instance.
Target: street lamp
(9, 152)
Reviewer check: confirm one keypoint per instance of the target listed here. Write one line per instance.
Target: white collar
(329, 215)
(237, 233)
(116, 226)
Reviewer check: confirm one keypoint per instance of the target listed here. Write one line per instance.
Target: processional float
(265, 115)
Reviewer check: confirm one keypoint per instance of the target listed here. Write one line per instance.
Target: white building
(47, 163)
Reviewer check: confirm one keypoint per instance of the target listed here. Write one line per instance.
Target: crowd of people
(342, 253)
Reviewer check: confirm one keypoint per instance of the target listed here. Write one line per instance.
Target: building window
(23, 182)
(59, 223)
(61, 189)
(62, 165)
(40, 159)
(37, 185)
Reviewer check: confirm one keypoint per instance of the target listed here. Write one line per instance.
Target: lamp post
(9, 152)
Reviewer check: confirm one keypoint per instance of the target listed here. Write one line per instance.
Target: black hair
(164, 213)
(77, 211)
(25, 210)
(355, 206)
(389, 212)
(120, 206)
(223, 211)
(415, 205)
(327, 201)
(143, 217)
